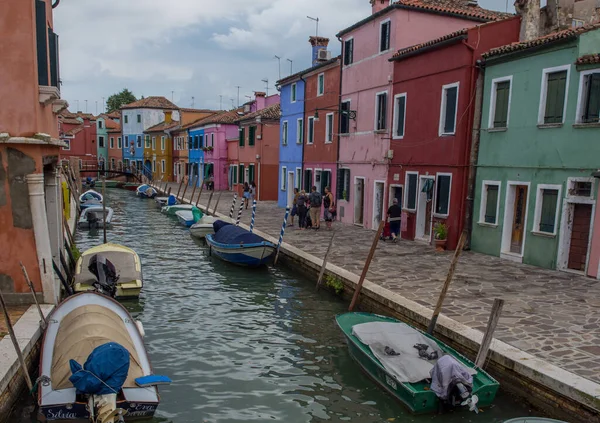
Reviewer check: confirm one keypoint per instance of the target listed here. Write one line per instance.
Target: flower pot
(440, 244)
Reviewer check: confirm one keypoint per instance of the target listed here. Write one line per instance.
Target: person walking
(394, 215)
(329, 204)
(295, 205)
(302, 210)
(252, 191)
(246, 193)
(315, 199)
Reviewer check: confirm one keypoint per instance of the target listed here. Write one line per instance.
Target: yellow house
(158, 148)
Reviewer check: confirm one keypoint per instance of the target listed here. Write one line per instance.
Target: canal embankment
(547, 314)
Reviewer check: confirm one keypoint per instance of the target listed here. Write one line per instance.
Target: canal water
(245, 345)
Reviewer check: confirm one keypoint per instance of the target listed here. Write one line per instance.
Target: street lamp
(279, 61)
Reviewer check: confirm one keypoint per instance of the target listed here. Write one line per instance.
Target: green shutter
(501, 107)
(41, 42)
(555, 97)
(443, 194)
(252, 135)
(491, 204)
(400, 110)
(412, 192)
(235, 172)
(250, 173)
(591, 112)
(242, 137)
(451, 95)
(242, 174)
(548, 214)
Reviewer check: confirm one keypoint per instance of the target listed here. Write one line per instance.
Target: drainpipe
(339, 120)
(35, 183)
(304, 118)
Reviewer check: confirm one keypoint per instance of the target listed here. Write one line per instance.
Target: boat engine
(106, 275)
(453, 384)
(92, 219)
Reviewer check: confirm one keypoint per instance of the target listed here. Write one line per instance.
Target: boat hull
(200, 231)
(78, 412)
(253, 255)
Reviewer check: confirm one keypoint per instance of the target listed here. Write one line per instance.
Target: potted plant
(440, 235)
(210, 148)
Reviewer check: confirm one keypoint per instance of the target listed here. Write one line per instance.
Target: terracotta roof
(459, 8)
(81, 115)
(111, 124)
(225, 117)
(163, 126)
(198, 110)
(297, 75)
(114, 115)
(454, 36)
(151, 103)
(117, 128)
(71, 121)
(588, 59)
(271, 112)
(74, 131)
(565, 35)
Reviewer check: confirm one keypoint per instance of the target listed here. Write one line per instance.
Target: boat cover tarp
(231, 234)
(407, 366)
(218, 224)
(444, 372)
(143, 188)
(172, 200)
(80, 332)
(90, 195)
(104, 371)
(123, 261)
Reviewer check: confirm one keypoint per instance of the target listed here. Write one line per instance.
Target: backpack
(316, 199)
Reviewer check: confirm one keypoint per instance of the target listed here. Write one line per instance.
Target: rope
(87, 371)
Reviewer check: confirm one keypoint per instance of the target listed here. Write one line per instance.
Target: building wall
(218, 157)
(101, 152)
(196, 156)
(83, 146)
(158, 154)
(115, 153)
(132, 129)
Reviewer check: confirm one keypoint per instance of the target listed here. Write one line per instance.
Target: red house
(78, 131)
(433, 114)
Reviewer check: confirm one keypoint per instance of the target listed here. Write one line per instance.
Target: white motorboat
(90, 198)
(91, 217)
(203, 227)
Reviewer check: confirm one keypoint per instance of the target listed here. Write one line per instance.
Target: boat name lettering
(60, 415)
(390, 382)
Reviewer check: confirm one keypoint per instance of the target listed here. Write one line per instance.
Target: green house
(535, 195)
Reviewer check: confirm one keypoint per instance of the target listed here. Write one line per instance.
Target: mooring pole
(253, 215)
(366, 267)
(200, 194)
(324, 265)
(209, 201)
(285, 218)
(169, 192)
(37, 304)
(440, 302)
(183, 195)
(216, 204)
(194, 190)
(489, 332)
(239, 216)
(233, 205)
(104, 210)
(179, 190)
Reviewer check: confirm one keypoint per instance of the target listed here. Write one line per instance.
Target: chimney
(317, 43)
(529, 10)
(168, 116)
(379, 5)
(260, 99)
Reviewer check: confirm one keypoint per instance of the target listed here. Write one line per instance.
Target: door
(424, 208)
(396, 192)
(307, 180)
(318, 179)
(251, 174)
(325, 180)
(378, 212)
(359, 202)
(290, 188)
(518, 226)
(580, 235)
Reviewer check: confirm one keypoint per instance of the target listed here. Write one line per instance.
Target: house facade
(366, 92)
(535, 194)
(158, 149)
(115, 146)
(434, 84)
(78, 133)
(102, 139)
(196, 155)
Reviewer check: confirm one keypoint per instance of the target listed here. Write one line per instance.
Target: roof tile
(412, 49)
(163, 126)
(588, 59)
(271, 112)
(151, 103)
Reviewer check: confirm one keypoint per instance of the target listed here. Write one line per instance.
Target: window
(101, 142)
(448, 109)
(162, 166)
(42, 42)
(126, 118)
(321, 84)
(67, 146)
(242, 137)
(283, 178)
(345, 117)
(577, 23)
(343, 184)
(154, 143)
(588, 105)
(153, 165)
(200, 141)
(119, 142)
(251, 135)
(293, 98)
(488, 212)
(329, 128)
(500, 102)
(235, 174)
(212, 140)
(554, 95)
(348, 52)
(139, 118)
(300, 131)
(284, 133)
(250, 173)
(546, 208)
(100, 124)
(310, 136)
(380, 111)
(196, 142)
(384, 36)
(411, 190)
(399, 115)
(242, 174)
(442, 194)
(299, 178)
(112, 163)
(206, 140)
(112, 142)
(139, 141)
(162, 143)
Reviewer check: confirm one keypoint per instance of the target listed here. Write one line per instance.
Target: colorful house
(102, 140)
(115, 145)
(196, 155)
(535, 196)
(434, 86)
(158, 149)
(366, 94)
(78, 133)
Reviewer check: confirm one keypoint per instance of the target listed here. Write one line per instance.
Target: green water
(245, 345)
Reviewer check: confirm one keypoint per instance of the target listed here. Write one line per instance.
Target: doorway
(325, 180)
(307, 180)
(424, 208)
(290, 189)
(396, 192)
(515, 221)
(359, 202)
(378, 211)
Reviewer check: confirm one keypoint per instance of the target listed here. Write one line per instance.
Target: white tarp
(446, 371)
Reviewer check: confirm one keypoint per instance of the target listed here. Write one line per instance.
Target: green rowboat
(418, 397)
(172, 210)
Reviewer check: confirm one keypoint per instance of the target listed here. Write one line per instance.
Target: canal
(245, 345)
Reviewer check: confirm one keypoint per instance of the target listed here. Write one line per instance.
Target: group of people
(249, 192)
(308, 208)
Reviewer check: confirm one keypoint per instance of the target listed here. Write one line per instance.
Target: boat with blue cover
(533, 420)
(161, 202)
(239, 246)
(90, 198)
(188, 217)
(146, 191)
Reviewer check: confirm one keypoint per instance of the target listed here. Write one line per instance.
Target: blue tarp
(104, 372)
(227, 233)
(143, 188)
(172, 200)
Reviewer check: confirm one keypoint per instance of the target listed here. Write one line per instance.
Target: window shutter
(383, 111)
(345, 118)
(400, 111)
(242, 174)
(252, 134)
(491, 204)
(412, 192)
(54, 67)
(340, 184)
(555, 97)
(501, 111)
(42, 42)
(548, 214)
(450, 110)
(242, 137)
(592, 104)
(443, 194)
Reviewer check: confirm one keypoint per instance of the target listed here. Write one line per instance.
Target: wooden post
(324, 265)
(194, 190)
(440, 302)
(489, 332)
(367, 264)
(216, 204)
(69, 234)
(42, 317)
(209, 201)
(179, 190)
(15, 343)
(104, 211)
(183, 195)
(199, 194)
(169, 192)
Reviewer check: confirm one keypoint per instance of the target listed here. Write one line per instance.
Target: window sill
(488, 225)
(440, 216)
(328, 142)
(380, 131)
(586, 125)
(549, 125)
(47, 94)
(412, 211)
(497, 129)
(543, 234)
(448, 134)
(344, 135)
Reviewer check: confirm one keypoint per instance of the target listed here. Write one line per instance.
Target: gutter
(513, 55)
(430, 47)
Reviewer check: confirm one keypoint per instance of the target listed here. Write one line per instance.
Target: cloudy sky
(192, 48)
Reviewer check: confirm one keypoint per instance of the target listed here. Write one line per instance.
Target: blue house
(196, 155)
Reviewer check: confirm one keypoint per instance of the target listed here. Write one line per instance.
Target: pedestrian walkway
(549, 314)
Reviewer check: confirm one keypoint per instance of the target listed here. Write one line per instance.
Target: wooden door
(580, 235)
(518, 226)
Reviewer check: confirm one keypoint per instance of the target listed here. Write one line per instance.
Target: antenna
(291, 66)
(279, 62)
(96, 107)
(172, 92)
(317, 21)
(193, 102)
(266, 81)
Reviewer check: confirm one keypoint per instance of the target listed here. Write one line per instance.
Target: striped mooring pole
(233, 205)
(285, 219)
(253, 215)
(237, 222)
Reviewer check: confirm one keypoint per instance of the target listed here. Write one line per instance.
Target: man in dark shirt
(394, 217)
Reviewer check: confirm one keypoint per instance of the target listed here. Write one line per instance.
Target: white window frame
(68, 143)
(443, 106)
(320, 77)
(314, 181)
(163, 166)
(298, 176)
(395, 125)
(294, 92)
(101, 141)
(544, 88)
(329, 128)
(483, 203)
(310, 134)
(377, 95)
(299, 131)
(119, 143)
(390, 35)
(154, 143)
(139, 141)
(205, 140)
(284, 133)
(441, 215)
(538, 209)
(283, 182)
(349, 101)
(406, 184)
(139, 118)
(579, 108)
(495, 82)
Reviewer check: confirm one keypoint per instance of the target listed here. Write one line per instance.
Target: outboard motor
(92, 219)
(453, 384)
(106, 275)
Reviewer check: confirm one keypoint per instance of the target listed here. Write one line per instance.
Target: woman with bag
(329, 204)
(295, 205)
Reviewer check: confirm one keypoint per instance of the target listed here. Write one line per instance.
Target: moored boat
(189, 217)
(172, 210)
(203, 227)
(146, 191)
(96, 330)
(127, 264)
(161, 202)
(415, 367)
(90, 198)
(107, 183)
(91, 217)
(239, 246)
(533, 420)
(130, 186)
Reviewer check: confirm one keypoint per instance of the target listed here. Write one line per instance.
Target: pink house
(366, 95)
